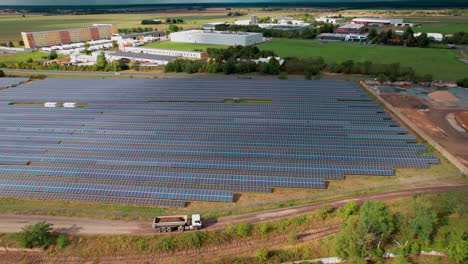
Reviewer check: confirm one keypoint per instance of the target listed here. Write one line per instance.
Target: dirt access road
(94, 226)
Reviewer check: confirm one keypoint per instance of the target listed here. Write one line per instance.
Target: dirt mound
(443, 96)
(402, 101)
(462, 119)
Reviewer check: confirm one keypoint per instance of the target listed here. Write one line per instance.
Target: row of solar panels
(247, 153)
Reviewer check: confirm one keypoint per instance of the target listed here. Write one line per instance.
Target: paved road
(92, 226)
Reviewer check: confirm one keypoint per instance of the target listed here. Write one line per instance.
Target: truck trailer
(177, 222)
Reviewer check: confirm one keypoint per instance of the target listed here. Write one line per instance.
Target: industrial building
(342, 37)
(217, 37)
(331, 20)
(47, 38)
(251, 21)
(214, 25)
(139, 57)
(285, 26)
(167, 52)
(434, 36)
(351, 28)
(398, 22)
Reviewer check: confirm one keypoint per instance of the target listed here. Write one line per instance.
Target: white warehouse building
(166, 52)
(217, 37)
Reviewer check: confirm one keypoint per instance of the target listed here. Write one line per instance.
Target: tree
(458, 248)
(2, 74)
(36, 235)
(101, 62)
(423, 224)
(377, 217)
(29, 60)
(11, 45)
(354, 242)
(86, 48)
(173, 28)
(114, 44)
(52, 55)
(463, 82)
(423, 41)
(229, 67)
(21, 43)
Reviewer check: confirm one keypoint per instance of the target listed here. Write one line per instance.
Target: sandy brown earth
(443, 96)
(434, 121)
(462, 119)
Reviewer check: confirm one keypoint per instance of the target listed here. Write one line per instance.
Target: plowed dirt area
(434, 122)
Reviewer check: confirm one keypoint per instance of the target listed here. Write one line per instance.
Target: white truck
(177, 222)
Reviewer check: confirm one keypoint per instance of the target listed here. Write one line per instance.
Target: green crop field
(441, 63)
(182, 46)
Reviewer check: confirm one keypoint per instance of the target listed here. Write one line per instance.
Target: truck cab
(196, 222)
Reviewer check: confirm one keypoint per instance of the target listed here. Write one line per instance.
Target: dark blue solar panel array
(160, 142)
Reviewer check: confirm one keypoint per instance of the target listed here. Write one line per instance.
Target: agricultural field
(423, 60)
(11, 27)
(22, 57)
(440, 25)
(182, 46)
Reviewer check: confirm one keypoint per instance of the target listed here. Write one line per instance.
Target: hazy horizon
(214, 2)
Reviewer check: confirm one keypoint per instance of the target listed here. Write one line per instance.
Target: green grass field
(182, 46)
(442, 28)
(441, 63)
(22, 57)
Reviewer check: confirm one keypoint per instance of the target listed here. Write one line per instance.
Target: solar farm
(163, 142)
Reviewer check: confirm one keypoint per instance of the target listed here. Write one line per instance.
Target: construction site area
(441, 111)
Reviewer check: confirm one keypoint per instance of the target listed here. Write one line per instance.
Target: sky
(123, 2)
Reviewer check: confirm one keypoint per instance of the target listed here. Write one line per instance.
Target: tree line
(136, 30)
(157, 22)
(390, 37)
(308, 33)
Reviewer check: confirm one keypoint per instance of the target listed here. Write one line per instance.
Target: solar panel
(169, 140)
(91, 198)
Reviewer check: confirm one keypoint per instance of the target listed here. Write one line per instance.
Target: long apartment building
(167, 52)
(47, 38)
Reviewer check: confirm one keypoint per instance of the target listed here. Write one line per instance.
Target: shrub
(265, 228)
(292, 237)
(324, 211)
(463, 82)
(283, 76)
(36, 235)
(349, 209)
(62, 241)
(263, 254)
(243, 229)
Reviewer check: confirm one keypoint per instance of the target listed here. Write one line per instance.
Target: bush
(243, 229)
(324, 211)
(463, 82)
(263, 254)
(2, 74)
(265, 228)
(282, 76)
(62, 241)
(349, 209)
(36, 235)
